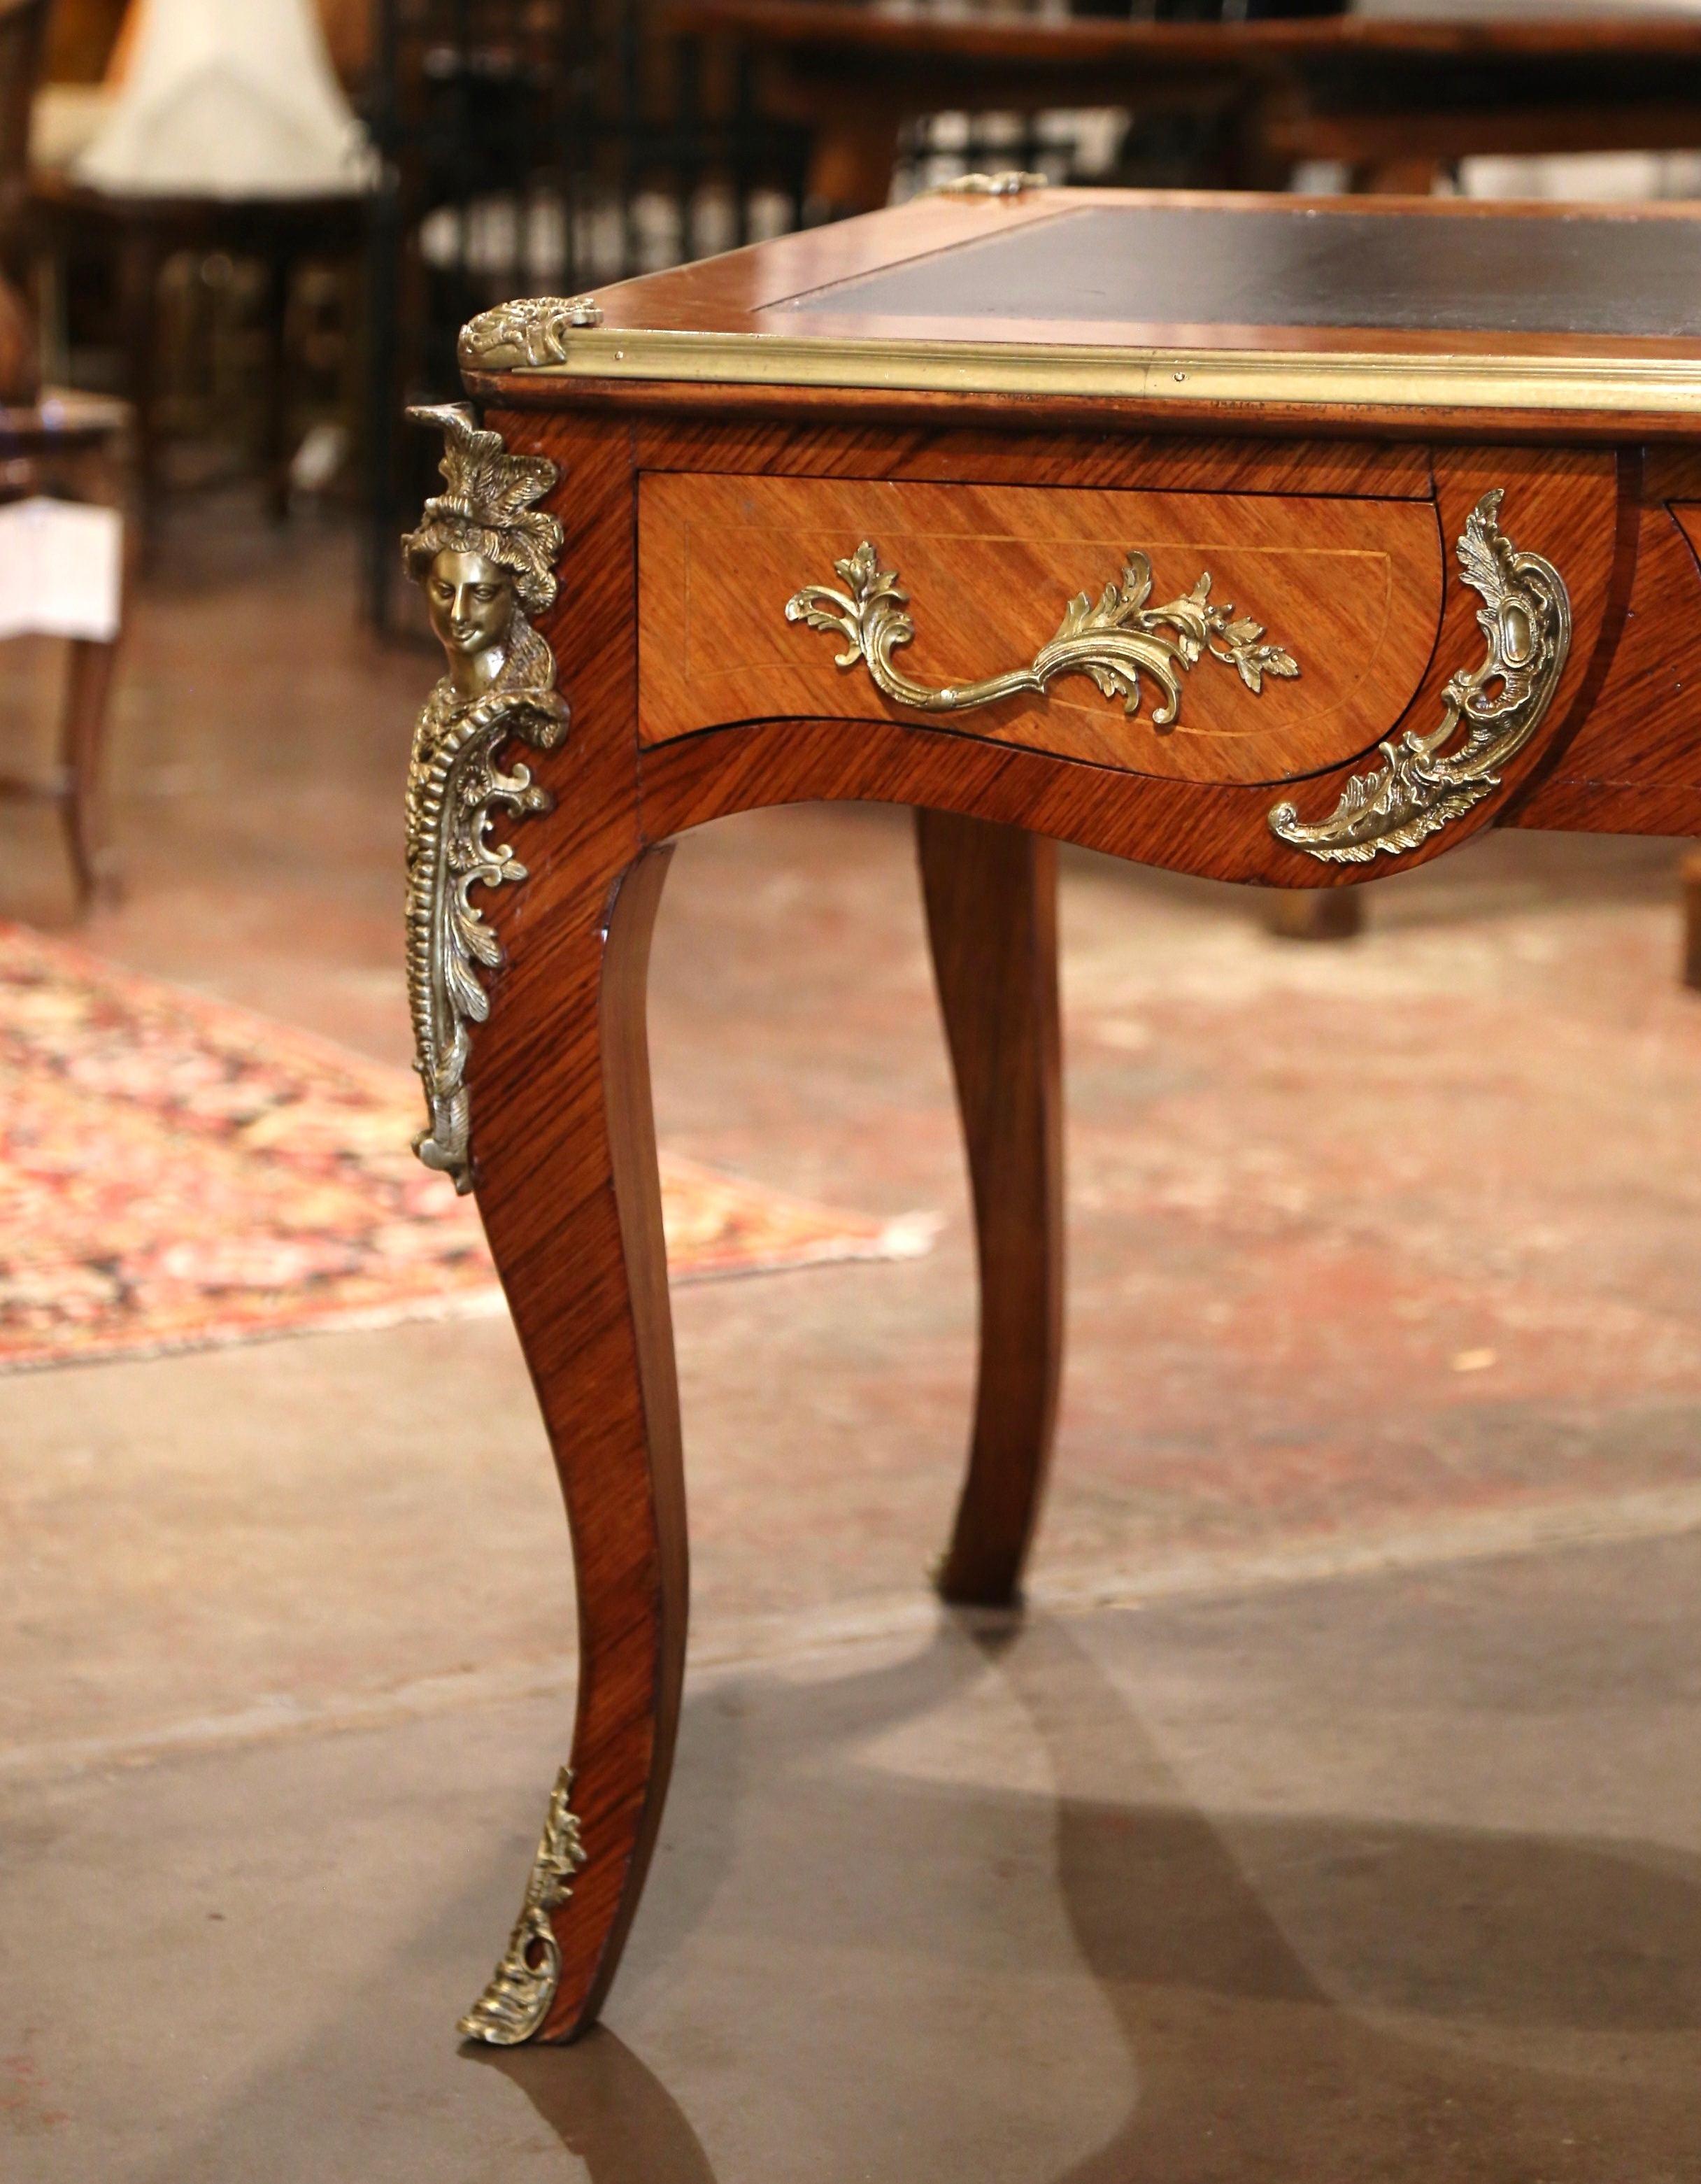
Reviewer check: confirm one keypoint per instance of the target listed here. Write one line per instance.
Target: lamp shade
(227, 98)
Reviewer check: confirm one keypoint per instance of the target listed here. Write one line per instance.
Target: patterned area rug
(174, 1172)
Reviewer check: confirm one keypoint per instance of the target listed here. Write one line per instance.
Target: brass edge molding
(1115, 641)
(485, 557)
(1525, 615)
(1181, 376)
(517, 2000)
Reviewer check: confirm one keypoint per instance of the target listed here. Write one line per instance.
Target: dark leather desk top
(1311, 266)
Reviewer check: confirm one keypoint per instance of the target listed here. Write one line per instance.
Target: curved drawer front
(1084, 611)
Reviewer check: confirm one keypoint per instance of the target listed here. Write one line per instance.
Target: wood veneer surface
(1577, 505)
(1352, 588)
(1046, 266)
(1634, 766)
(824, 446)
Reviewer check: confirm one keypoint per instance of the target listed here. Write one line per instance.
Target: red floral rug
(175, 1172)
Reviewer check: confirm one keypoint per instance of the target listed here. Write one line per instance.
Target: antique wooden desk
(1279, 541)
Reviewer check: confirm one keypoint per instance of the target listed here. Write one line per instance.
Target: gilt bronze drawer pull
(1115, 641)
(1525, 615)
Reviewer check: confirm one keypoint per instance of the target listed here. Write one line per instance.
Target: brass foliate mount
(514, 2006)
(520, 337)
(1422, 786)
(485, 557)
(1007, 183)
(1114, 640)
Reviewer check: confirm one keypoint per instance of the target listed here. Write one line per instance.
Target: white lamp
(227, 98)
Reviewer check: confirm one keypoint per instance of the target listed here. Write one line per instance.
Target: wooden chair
(65, 444)
(72, 446)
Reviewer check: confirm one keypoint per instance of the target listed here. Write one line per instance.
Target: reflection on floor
(1390, 1878)
(1332, 1818)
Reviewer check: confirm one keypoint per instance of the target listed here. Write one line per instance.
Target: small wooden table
(1279, 541)
(74, 446)
(1396, 99)
(142, 233)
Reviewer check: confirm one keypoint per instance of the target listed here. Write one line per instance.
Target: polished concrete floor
(1332, 1816)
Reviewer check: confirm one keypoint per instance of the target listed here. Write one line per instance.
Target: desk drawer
(1347, 593)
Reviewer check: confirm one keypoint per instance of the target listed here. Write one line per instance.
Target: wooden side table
(1278, 541)
(143, 232)
(74, 446)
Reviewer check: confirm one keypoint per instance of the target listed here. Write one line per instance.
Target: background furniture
(1446, 456)
(188, 158)
(1395, 100)
(23, 27)
(67, 444)
(137, 235)
(72, 446)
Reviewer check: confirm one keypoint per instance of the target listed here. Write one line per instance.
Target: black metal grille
(538, 147)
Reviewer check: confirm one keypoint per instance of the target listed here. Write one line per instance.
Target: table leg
(276, 451)
(1313, 913)
(852, 162)
(990, 893)
(568, 1188)
(1690, 878)
(1403, 175)
(82, 742)
(139, 268)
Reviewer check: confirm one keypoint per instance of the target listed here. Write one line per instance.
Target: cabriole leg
(990, 893)
(82, 739)
(568, 1185)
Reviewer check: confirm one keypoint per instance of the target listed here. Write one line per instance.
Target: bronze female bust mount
(484, 555)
